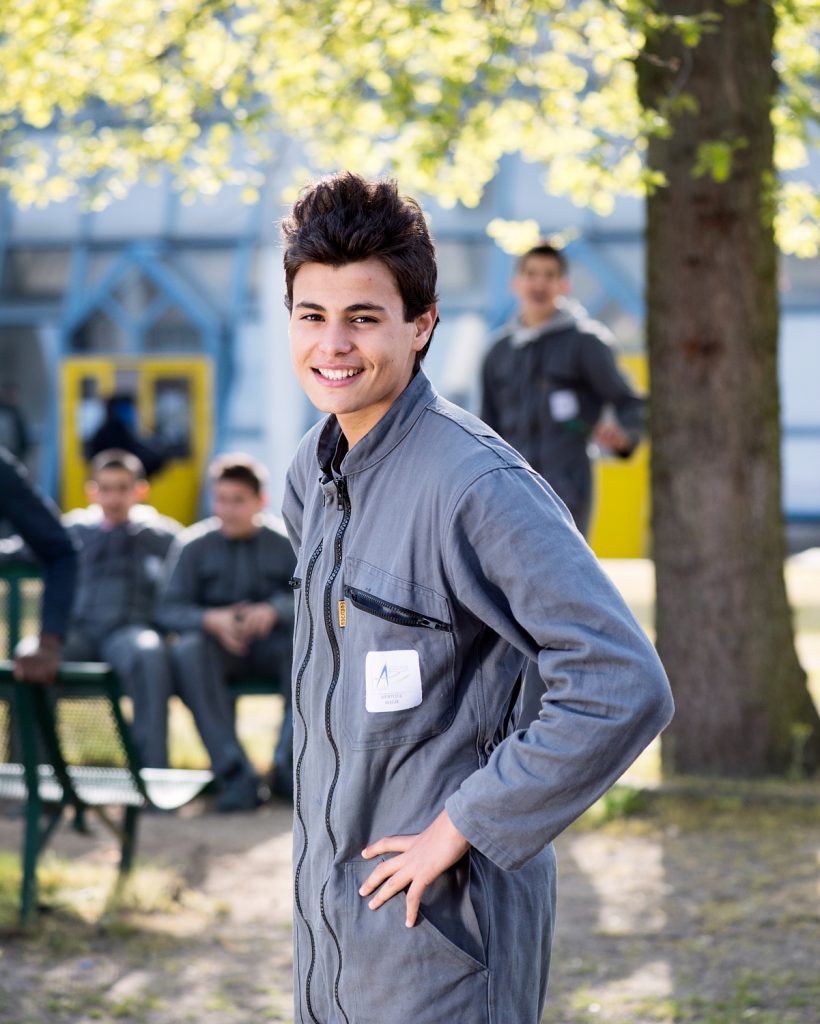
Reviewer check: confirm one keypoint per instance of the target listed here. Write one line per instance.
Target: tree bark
(724, 629)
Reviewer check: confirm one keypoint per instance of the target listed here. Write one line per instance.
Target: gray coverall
(112, 617)
(208, 570)
(432, 563)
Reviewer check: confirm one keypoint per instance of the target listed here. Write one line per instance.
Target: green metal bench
(76, 751)
(70, 746)
(20, 585)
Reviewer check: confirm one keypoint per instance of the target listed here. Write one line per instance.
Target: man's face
(236, 505)
(117, 492)
(351, 347)
(537, 285)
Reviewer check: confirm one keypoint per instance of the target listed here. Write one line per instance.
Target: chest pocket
(392, 626)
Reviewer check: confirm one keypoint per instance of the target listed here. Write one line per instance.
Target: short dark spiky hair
(345, 218)
(117, 458)
(241, 468)
(545, 248)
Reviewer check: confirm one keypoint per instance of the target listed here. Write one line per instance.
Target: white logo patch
(564, 405)
(392, 681)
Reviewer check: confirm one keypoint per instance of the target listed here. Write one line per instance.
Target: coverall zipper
(344, 508)
(297, 703)
(393, 612)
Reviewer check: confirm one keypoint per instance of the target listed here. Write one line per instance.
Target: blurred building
(91, 302)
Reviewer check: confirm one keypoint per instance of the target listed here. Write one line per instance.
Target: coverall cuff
(476, 838)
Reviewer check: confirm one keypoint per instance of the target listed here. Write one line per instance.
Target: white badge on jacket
(564, 405)
(392, 681)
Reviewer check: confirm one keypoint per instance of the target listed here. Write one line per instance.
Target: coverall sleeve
(36, 520)
(521, 568)
(601, 372)
(178, 610)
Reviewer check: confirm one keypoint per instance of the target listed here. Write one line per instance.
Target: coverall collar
(334, 459)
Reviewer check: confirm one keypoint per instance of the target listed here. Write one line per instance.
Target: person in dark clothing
(123, 544)
(14, 434)
(547, 379)
(119, 430)
(36, 520)
(227, 595)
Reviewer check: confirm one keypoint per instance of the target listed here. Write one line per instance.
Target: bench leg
(36, 839)
(31, 849)
(129, 839)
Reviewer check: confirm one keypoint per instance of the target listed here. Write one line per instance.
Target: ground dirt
(671, 909)
(699, 904)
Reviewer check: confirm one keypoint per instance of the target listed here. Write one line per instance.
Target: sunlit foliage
(97, 95)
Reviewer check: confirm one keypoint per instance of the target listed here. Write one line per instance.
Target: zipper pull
(341, 491)
(342, 614)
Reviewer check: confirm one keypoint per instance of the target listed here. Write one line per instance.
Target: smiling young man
(432, 563)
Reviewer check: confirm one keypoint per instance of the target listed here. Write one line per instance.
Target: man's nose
(335, 339)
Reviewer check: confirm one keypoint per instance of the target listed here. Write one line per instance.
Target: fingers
(390, 878)
(388, 844)
(392, 887)
(234, 644)
(414, 894)
(419, 860)
(36, 668)
(387, 868)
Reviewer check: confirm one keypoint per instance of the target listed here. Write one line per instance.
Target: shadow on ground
(695, 910)
(672, 910)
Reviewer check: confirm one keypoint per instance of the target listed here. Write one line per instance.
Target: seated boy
(122, 545)
(227, 595)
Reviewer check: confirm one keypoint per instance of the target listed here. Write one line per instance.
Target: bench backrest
(20, 589)
(76, 722)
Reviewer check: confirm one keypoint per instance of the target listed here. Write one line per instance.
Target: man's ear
(91, 490)
(141, 491)
(424, 327)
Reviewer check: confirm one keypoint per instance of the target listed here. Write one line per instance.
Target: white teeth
(337, 374)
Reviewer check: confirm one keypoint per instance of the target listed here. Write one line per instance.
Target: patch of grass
(134, 1007)
(84, 891)
(617, 803)
(257, 723)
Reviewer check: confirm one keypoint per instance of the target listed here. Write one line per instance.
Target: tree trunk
(724, 629)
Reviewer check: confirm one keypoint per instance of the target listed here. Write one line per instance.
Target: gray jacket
(206, 569)
(119, 568)
(432, 562)
(543, 390)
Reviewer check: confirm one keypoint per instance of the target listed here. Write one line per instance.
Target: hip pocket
(416, 972)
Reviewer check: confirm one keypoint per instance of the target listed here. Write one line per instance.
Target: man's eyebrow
(355, 307)
(371, 307)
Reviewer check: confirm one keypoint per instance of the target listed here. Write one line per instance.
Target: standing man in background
(547, 379)
(36, 520)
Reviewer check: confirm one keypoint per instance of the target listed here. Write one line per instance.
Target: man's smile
(338, 374)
